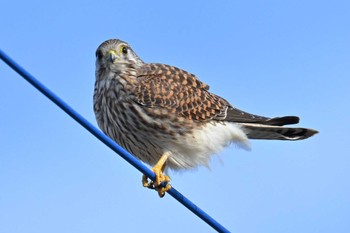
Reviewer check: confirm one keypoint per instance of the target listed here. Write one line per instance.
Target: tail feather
(279, 121)
(238, 116)
(275, 132)
(260, 127)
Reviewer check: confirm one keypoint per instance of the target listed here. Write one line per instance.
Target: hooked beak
(112, 56)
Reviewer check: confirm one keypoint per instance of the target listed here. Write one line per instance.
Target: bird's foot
(161, 184)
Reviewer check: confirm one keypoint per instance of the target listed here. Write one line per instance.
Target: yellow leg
(158, 169)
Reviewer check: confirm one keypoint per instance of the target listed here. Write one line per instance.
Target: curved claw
(161, 185)
(161, 179)
(161, 190)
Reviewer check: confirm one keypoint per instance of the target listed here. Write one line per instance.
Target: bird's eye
(99, 54)
(124, 49)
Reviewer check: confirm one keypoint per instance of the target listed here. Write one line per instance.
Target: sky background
(271, 58)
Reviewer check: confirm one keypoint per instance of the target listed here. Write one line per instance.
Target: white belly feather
(210, 139)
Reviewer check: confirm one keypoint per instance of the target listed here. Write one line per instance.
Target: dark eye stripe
(99, 54)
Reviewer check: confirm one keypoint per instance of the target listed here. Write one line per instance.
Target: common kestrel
(166, 117)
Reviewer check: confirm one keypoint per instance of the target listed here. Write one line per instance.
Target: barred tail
(271, 132)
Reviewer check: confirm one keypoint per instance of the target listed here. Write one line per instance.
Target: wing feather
(177, 91)
(165, 90)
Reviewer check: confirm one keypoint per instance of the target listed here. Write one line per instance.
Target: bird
(168, 118)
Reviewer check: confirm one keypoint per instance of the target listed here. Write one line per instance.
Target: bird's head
(116, 55)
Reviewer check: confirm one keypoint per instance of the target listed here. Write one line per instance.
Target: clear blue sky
(267, 57)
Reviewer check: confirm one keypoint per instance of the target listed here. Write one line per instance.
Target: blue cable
(109, 142)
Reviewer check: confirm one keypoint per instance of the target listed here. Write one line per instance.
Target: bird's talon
(158, 185)
(161, 183)
(145, 182)
(161, 190)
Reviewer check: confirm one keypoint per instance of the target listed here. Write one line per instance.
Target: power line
(109, 142)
